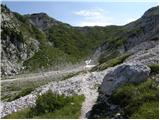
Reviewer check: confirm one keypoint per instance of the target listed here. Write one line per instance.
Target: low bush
(154, 68)
(135, 98)
(49, 102)
(50, 105)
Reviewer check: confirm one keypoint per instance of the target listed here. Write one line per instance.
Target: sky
(82, 13)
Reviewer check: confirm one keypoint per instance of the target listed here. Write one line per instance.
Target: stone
(124, 73)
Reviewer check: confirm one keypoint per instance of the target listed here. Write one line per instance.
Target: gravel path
(90, 94)
(84, 83)
(42, 75)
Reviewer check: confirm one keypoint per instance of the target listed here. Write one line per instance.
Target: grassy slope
(138, 101)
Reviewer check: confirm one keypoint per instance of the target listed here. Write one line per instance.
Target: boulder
(124, 73)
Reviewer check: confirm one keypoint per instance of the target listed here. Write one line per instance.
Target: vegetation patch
(147, 110)
(111, 62)
(135, 101)
(22, 93)
(70, 75)
(154, 68)
(50, 105)
(138, 101)
(107, 55)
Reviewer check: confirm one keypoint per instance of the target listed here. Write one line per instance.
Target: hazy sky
(85, 13)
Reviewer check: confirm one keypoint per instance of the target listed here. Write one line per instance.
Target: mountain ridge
(69, 44)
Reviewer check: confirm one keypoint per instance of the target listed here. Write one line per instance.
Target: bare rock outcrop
(131, 73)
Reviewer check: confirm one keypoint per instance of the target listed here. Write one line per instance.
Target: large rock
(124, 73)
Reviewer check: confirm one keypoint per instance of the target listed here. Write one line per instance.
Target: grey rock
(124, 73)
(147, 57)
(42, 20)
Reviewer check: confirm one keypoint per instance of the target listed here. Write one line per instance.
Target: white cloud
(93, 17)
(89, 13)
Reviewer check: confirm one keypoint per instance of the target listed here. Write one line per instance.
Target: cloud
(93, 17)
(89, 13)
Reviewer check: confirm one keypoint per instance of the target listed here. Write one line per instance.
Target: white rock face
(124, 73)
(147, 57)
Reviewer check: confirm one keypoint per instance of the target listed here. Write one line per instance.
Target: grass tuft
(111, 62)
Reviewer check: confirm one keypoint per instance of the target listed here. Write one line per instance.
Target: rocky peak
(42, 20)
(151, 12)
(144, 29)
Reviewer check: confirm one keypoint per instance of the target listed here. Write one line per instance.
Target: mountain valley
(109, 67)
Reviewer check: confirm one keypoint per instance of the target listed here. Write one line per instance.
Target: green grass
(70, 75)
(23, 114)
(107, 55)
(110, 63)
(71, 110)
(148, 110)
(47, 57)
(138, 101)
(22, 93)
(154, 68)
(51, 106)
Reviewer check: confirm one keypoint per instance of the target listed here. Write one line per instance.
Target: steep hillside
(38, 42)
(139, 35)
(20, 41)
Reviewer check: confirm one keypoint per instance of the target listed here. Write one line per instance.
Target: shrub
(50, 105)
(49, 102)
(71, 109)
(154, 68)
(134, 98)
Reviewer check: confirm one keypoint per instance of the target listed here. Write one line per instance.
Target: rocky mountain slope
(27, 41)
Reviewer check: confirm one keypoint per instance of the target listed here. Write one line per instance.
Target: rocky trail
(77, 84)
(42, 75)
(82, 84)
